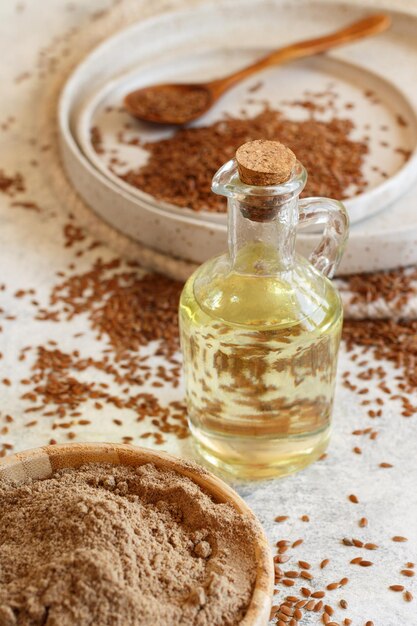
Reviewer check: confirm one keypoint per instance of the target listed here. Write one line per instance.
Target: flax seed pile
(180, 168)
(390, 285)
(128, 310)
(133, 546)
(11, 184)
(389, 294)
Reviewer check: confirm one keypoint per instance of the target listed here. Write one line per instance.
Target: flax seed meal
(122, 546)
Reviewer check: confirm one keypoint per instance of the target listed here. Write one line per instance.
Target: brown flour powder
(104, 545)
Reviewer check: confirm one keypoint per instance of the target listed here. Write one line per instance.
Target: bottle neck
(261, 234)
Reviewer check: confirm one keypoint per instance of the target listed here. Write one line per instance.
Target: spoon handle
(368, 26)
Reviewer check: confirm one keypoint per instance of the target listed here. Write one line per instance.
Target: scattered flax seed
(282, 558)
(324, 563)
(388, 339)
(387, 465)
(399, 539)
(407, 572)
(283, 618)
(305, 518)
(304, 564)
(408, 596)
(255, 87)
(11, 185)
(291, 599)
(318, 594)
(357, 450)
(343, 604)
(356, 560)
(370, 546)
(297, 543)
(369, 623)
(353, 498)
(396, 587)
(96, 139)
(278, 571)
(332, 586)
(285, 610)
(328, 609)
(301, 604)
(291, 574)
(281, 518)
(287, 582)
(363, 522)
(129, 310)
(408, 564)
(347, 542)
(357, 543)
(31, 206)
(401, 121)
(343, 582)
(366, 563)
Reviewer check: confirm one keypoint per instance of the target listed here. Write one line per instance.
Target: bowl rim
(42, 462)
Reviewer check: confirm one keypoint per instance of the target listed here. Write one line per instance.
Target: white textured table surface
(32, 251)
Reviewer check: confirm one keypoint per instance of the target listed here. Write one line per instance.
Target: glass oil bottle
(260, 326)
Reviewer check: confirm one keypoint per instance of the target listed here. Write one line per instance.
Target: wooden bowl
(43, 462)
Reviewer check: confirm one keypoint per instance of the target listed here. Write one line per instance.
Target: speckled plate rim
(40, 463)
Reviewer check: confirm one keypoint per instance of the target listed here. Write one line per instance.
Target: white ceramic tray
(387, 172)
(228, 37)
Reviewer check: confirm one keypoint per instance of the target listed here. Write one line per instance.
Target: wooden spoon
(182, 103)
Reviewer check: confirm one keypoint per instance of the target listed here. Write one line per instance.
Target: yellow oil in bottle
(260, 326)
(260, 357)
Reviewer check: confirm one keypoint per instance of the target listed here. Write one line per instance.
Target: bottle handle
(333, 215)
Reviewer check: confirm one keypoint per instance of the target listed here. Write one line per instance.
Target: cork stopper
(263, 162)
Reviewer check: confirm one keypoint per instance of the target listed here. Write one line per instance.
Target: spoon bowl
(170, 104)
